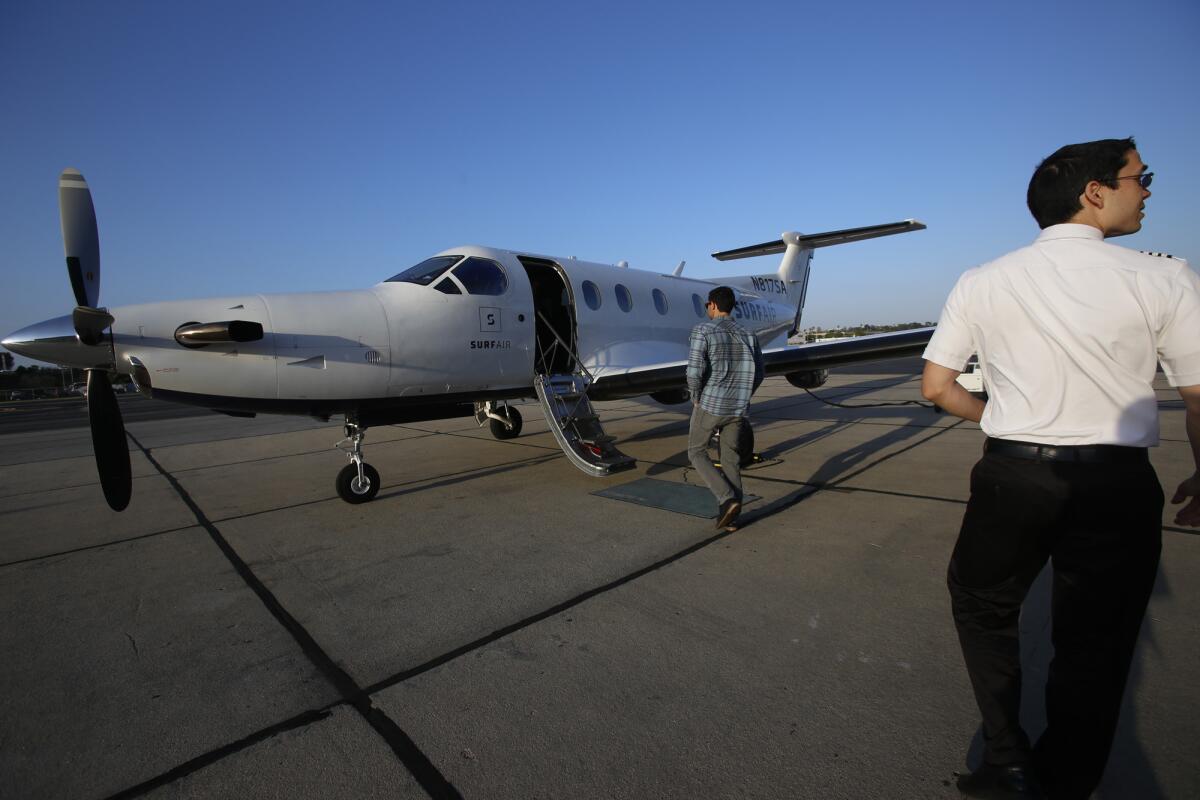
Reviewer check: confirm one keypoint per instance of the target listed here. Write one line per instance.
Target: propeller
(81, 243)
(108, 440)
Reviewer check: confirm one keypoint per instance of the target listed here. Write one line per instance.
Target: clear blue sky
(262, 147)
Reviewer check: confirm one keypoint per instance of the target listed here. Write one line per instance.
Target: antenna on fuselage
(679, 270)
(623, 264)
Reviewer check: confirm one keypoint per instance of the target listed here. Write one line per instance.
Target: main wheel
(350, 489)
(745, 445)
(501, 431)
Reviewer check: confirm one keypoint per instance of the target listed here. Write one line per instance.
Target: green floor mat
(682, 498)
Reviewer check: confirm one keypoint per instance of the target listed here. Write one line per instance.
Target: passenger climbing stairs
(576, 426)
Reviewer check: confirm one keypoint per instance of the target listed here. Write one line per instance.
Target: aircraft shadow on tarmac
(837, 466)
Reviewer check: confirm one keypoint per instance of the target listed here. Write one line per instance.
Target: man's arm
(697, 364)
(759, 371)
(939, 385)
(1190, 514)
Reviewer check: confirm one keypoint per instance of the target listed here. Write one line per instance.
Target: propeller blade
(108, 440)
(81, 241)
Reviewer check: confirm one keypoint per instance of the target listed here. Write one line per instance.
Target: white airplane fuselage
(404, 340)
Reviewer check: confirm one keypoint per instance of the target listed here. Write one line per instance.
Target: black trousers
(1100, 525)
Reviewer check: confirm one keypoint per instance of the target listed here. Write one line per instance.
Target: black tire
(501, 431)
(347, 480)
(746, 444)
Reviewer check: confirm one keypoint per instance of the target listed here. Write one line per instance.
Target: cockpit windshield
(427, 271)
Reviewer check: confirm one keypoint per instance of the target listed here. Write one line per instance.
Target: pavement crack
(423, 770)
(211, 757)
(544, 614)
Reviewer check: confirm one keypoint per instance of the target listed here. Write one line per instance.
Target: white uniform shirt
(1069, 332)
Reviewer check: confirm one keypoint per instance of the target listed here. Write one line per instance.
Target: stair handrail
(570, 350)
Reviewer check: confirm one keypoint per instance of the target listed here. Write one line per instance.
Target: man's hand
(1189, 514)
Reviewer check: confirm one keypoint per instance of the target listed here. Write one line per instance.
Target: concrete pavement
(489, 628)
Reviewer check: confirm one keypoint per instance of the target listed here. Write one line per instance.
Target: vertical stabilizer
(794, 271)
(798, 249)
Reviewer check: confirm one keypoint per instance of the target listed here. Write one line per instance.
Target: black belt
(1081, 454)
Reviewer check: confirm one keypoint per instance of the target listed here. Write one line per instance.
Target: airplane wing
(783, 361)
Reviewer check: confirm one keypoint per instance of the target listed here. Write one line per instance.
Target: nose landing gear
(358, 481)
(503, 420)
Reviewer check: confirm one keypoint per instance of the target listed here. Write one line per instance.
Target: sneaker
(728, 512)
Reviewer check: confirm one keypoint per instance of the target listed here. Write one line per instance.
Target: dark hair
(722, 296)
(1057, 183)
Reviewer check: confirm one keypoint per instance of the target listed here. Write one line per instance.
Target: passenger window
(481, 276)
(660, 301)
(624, 298)
(447, 286)
(698, 304)
(425, 272)
(591, 295)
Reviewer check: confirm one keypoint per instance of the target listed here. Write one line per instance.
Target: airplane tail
(797, 252)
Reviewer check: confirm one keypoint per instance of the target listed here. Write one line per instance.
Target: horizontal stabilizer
(826, 239)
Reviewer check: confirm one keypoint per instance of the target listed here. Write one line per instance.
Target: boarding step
(599, 440)
(576, 427)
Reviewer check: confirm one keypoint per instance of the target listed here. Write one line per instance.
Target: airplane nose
(55, 341)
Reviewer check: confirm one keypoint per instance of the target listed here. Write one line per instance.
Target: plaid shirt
(725, 366)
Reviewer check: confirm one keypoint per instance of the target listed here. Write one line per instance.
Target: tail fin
(798, 249)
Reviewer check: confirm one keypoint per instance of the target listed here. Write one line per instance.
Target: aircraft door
(553, 303)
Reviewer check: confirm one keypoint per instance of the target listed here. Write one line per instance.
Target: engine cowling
(808, 379)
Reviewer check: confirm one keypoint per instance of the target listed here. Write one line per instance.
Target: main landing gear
(745, 446)
(503, 420)
(358, 481)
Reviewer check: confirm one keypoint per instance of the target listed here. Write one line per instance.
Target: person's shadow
(836, 466)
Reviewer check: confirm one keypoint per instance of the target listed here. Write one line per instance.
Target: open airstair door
(562, 380)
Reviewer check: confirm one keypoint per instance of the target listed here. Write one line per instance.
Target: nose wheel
(354, 488)
(502, 420)
(358, 481)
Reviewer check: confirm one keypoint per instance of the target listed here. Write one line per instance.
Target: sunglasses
(1143, 180)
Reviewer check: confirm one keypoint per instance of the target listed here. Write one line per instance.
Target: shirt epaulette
(1177, 259)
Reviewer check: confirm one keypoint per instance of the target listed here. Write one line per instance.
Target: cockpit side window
(447, 286)
(481, 276)
(427, 271)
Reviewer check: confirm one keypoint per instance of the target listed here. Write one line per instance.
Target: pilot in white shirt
(1069, 331)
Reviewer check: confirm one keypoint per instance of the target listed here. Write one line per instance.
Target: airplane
(462, 333)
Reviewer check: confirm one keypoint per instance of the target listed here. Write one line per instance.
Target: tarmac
(488, 627)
